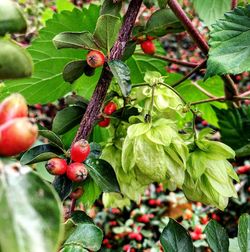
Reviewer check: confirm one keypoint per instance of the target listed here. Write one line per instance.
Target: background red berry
(56, 166)
(80, 151)
(77, 172)
(148, 47)
(104, 123)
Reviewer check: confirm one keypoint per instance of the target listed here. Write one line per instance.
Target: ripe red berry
(204, 220)
(77, 193)
(80, 151)
(195, 236)
(135, 236)
(95, 58)
(243, 169)
(104, 123)
(56, 166)
(110, 108)
(198, 229)
(143, 218)
(77, 172)
(150, 37)
(148, 47)
(14, 106)
(16, 136)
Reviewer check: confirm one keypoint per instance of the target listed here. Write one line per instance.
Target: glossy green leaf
(47, 84)
(73, 248)
(103, 175)
(86, 233)
(64, 5)
(217, 237)
(244, 233)
(52, 137)
(121, 73)
(111, 7)
(31, 212)
(11, 18)
(15, 61)
(73, 70)
(129, 50)
(63, 186)
(163, 22)
(78, 40)
(67, 118)
(106, 31)
(229, 44)
(40, 153)
(175, 238)
(211, 10)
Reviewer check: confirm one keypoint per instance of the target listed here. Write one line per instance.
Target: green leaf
(11, 18)
(86, 234)
(129, 50)
(121, 73)
(244, 233)
(63, 186)
(32, 212)
(217, 237)
(243, 151)
(40, 153)
(64, 5)
(91, 193)
(163, 22)
(175, 238)
(211, 10)
(78, 40)
(73, 248)
(103, 175)
(73, 70)
(106, 31)
(15, 61)
(111, 7)
(162, 3)
(47, 84)
(229, 44)
(52, 137)
(213, 85)
(67, 118)
(233, 245)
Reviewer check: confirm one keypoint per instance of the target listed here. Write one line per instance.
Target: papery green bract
(115, 200)
(209, 175)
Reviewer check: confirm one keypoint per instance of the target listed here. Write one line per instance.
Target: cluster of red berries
(197, 233)
(109, 109)
(17, 132)
(76, 170)
(147, 44)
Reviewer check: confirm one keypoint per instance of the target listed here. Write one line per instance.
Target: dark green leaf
(162, 3)
(175, 238)
(234, 125)
(217, 237)
(96, 150)
(52, 137)
(109, 7)
(15, 62)
(40, 153)
(121, 73)
(76, 100)
(78, 40)
(91, 193)
(124, 113)
(229, 43)
(244, 233)
(243, 151)
(211, 10)
(86, 234)
(63, 186)
(67, 118)
(129, 50)
(73, 70)
(103, 174)
(31, 212)
(106, 31)
(163, 22)
(11, 18)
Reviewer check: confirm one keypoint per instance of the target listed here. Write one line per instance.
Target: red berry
(144, 218)
(77, 194)
(16, 136)
(150, 37)
(77, 172)
(104, 123)
(135, 236)
(14, 106)
(95, 58)
(80, 151)
(56, 166)
(198, 229)
(216, 217)
(195, 236)
(110, 108)
(243, 169)
(204, 220)
(148, 47)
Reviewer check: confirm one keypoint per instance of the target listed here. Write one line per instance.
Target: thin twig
(204, 91)
(208, 100)
(198, 67)
(175, 61)
(244, 94)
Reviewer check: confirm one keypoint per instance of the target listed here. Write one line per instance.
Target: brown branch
(208, 100)
(95, 104)
(245, 93)
(230, 89)
(171, 60)
(197, 68)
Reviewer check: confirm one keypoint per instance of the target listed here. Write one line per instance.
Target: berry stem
(95, 104)
(229, 87)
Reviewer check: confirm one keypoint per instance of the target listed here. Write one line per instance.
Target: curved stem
(204, 91)
(223, 98)
(244, 94)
